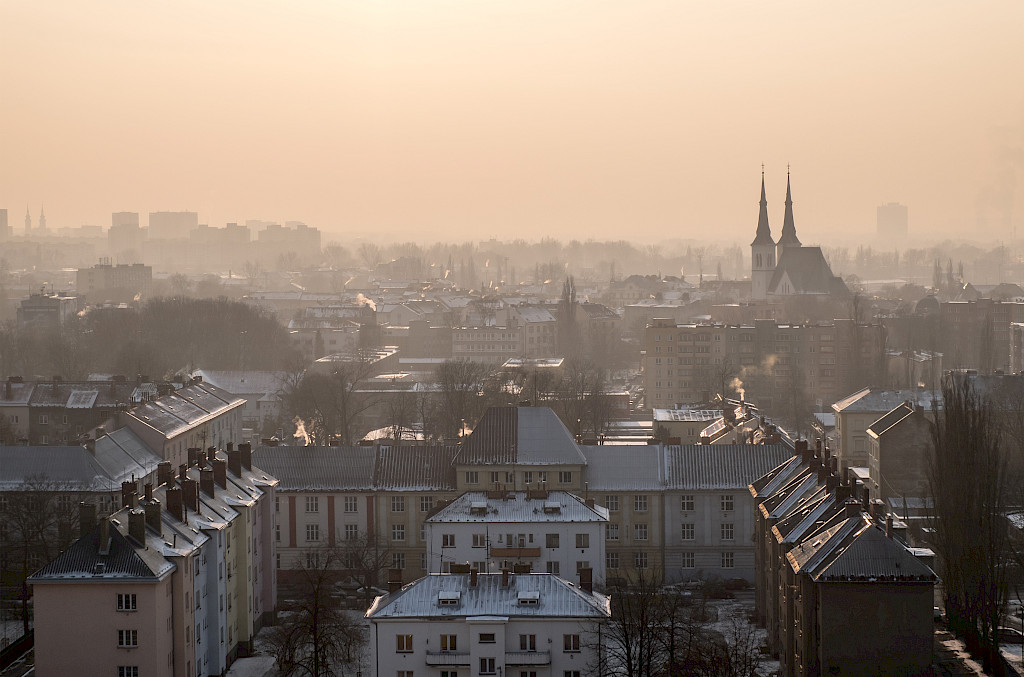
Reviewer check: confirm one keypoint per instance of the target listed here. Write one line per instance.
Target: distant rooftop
(517, 506)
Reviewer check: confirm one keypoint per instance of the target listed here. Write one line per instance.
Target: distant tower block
(892, 220)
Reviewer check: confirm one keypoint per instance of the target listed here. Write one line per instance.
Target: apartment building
(509, 624)
(686, 363)
(855, 413)
(106, 277)
(553, 531)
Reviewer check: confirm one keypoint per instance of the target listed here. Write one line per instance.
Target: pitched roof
(241, 382)
(415, 468)
(624, 468)
(890, 419)
(175, 413)
(520, 435)
(475, 506)
(808, 272)
(124, 560)
(788, 237)
(875, 400)
(319, 468)
(556, 598)
(58, 467)
(720, 466)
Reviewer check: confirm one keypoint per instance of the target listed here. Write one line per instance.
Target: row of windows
(686, 502)
(688, 561)
(405, 643)
(313, 503)
(473, 477)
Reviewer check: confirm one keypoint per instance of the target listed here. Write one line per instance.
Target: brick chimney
(86, 518)
(174, 502)
(164, 472)
(151, 507)
(865, 495)
(220, 473)
(505, 577)
(246, 450)
(587, 579)
(473, 574)
(183, 471)
(231, 446)
(888, 526)
(137, 526)
(394, 580)
(234, 461)
(852, 507)
(206, 482)
(190, 494)
(129, 493)
(193, 455)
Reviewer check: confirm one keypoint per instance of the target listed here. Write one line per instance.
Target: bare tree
(460, 385)
(331, 404)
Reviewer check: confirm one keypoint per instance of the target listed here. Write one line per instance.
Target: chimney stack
(137, 526)
(86, 518)
(129, 493)
(505, 577)
(193, 456)
(394, 580)
(473, 573)
(522, 568)
(183, 471)
(164, 473)
(246, 450)
(587, 579)
(231, 446)
(220, 473)
(151, 506)
(90, 445)
(206, 481)
(234, 461)
(190, 494)
(865, 495)
(149, 491)
(852, 507)
(174, 502)
(201, 459)
(888, 526)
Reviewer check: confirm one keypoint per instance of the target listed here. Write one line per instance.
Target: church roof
(788, 237)
(808, 272)
(764, 231)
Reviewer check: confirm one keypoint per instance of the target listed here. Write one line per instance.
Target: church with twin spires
(787, 268)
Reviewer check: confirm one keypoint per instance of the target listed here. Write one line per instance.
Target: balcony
(442, 658)
(515, 553)
(527, 658)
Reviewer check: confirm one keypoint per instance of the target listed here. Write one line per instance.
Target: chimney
(473, 573)
(231, 446)
(888, 526)
(220, 473)
(878, 509)
(100, 431)
(105, 537)
(587, 579)
(129, 493)
(164, 473)
(865, 495)
(201, 459)
(522, 568)
(193, 456)
(234, 461)
(817, 446)
(823, 474)
(246, 450)
(151, 506)
(148, 491)
(174, 502)
(90, 445)
(504, 577)
(852, 508)
(206, 481)
(86, 518)
(137, 526)
(394, 580)
(832, 482)
(183, 471)
(190, 494)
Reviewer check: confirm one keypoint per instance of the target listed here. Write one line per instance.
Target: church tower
(42, 219)
(28, 222)
(762, 252)
(788, 237)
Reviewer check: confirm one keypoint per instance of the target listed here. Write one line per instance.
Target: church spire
(28, 220)
(42, 218)
(788, 237)
(764, 231)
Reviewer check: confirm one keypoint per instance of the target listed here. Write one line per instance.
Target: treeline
(160, 338)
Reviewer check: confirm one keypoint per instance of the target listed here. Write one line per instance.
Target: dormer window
(449, 598)
(529, 598)
(552, 508)
(478, 508)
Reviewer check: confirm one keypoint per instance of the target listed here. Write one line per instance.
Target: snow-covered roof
(518, 507)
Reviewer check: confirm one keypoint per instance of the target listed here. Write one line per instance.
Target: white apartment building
(552, 531)
(505, 625)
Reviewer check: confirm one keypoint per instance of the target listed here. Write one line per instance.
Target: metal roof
(124, 561)
(556, 598)
(192, 405)
(720, 466)
(245, 382)
(517, 507)
(687, 415)
(319, 468)
(520, 435)
(415, 468)
(636, 467)
(67, 468)
(882, 401)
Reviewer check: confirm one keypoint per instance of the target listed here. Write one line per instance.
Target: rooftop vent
(478, 508)
(552, 507)
(449, 598)
(529, 598)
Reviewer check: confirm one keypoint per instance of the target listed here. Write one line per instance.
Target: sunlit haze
(459, 119)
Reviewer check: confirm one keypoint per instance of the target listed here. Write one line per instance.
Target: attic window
(449, 597)
(552, 508)
(529, 598)
(478, 508)
(99, 568)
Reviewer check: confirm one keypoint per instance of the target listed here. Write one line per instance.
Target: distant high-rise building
(172, 225)
(124, 219)
(892, 220)
(5, 230)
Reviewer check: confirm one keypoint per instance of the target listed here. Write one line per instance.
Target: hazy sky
(458, 119)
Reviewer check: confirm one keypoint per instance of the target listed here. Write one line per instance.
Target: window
(495, 475)
(479, 540)
(449, 642)
(426, 503)
(407, 673)
(687, 531)
(127, 638)
(312, 504)
(447, 540)
(398, 504)
(398, 560)
(571, 673)
(351, 504)
(527, 642)
(128, 671)
(397, 532)
(487, 666)
(640, 560)
(312, 562)
(553, 568)
(44, 419)
(726, 501)
(640, 504)
(571, 643)
(449, 673)
(689, 561)
(126, 602)
(403, 643)
(639, 532)
(582, 540)
(612, 503)
(613, 532)
(528, 477)
(542, 476)
(472, 477)
(581, 565)
(312, 532)
(728, 560)
(686, 504)
(351, 532)
(611, 560)
(487, 638)
(550, 540)
(727, 531)
(565, 477)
